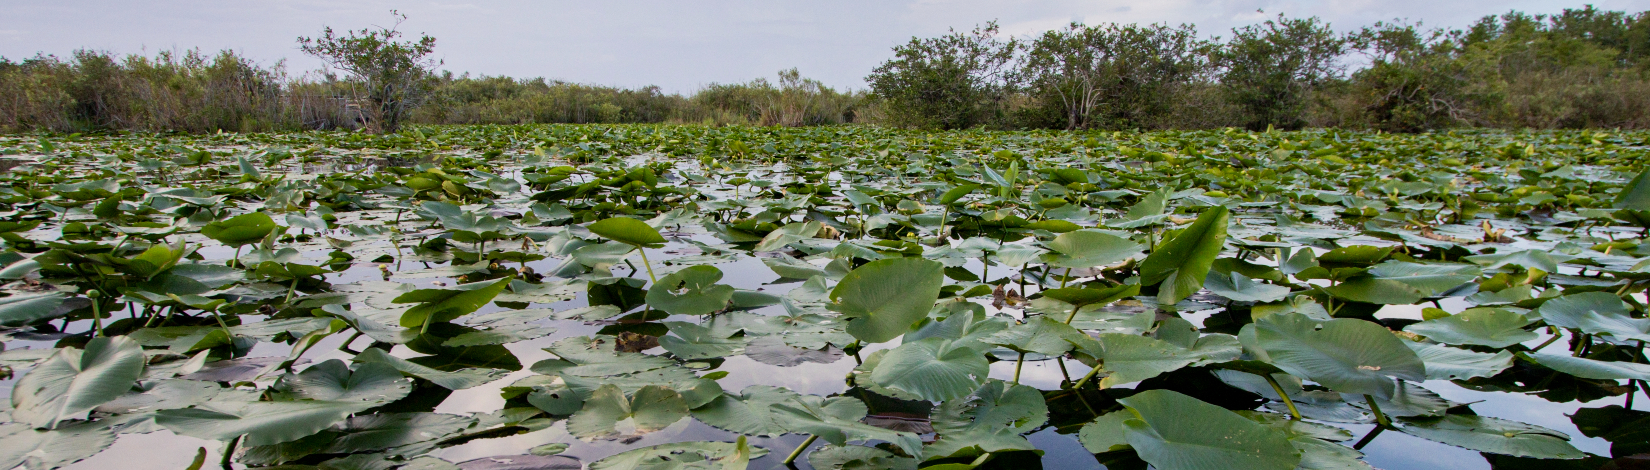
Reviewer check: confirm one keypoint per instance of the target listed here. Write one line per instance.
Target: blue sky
(678, 45)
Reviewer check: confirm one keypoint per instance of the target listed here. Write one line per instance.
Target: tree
(389, 76)
(1415, 81)
(1112, 76)
(1271, 69)
(955, 81)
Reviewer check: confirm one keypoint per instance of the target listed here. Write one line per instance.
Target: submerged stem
(1368, 437)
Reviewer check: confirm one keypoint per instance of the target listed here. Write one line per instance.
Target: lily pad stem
(1279, 388)
(1085, 379)
(798, 452)
(97, 316)
(940, 235)
(1552, 330)
(290, 291)
(1073, 316)
(1018, 364)
(648, 264)
(1380, 418)
(221, 324)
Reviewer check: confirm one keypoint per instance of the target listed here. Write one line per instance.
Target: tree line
(1582, 68)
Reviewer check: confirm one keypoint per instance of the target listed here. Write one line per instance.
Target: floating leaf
(1241, 288)
(882, 299)
(1086, 249)
(1595, 313)
(19, 309)
(73, 381)
(992, 418)
(1447, 363)
(674, 456)
(1594, 369)
(444, 305)
(858, 457)
(1495, 328)
(935, 369)
(692, 291)
(240, 230)
(1176, 432)
(1496, 436)
(750, 412)
(1347, 355)
(651, 408)
(38, 449)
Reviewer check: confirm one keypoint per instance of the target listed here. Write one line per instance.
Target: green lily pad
(1594, 369)
(1181, 264)
(1241, 288)
(1087, 249)
(1595, 313)
(882, 299)
(240, 230)
(1347, 355)
(628, 231)
(1172, 431)
(1447, 363)
(444, 305)
(677, 456)
(73, 381)
(935, 369)
(692, 291)
(20, 309)
(47, 449)
(993, 418)
(1496, 436)
(650, 409)
(1495, 328)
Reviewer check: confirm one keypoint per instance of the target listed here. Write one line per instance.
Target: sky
(678, 45)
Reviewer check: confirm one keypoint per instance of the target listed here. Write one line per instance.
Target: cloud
(677, 45)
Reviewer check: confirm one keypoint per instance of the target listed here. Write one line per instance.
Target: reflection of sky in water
(1391, 450)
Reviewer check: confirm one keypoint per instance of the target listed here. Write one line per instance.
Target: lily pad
(1176, 432)
(73, 381)
(1347, 355)
(1496, 436)
(882, 299)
